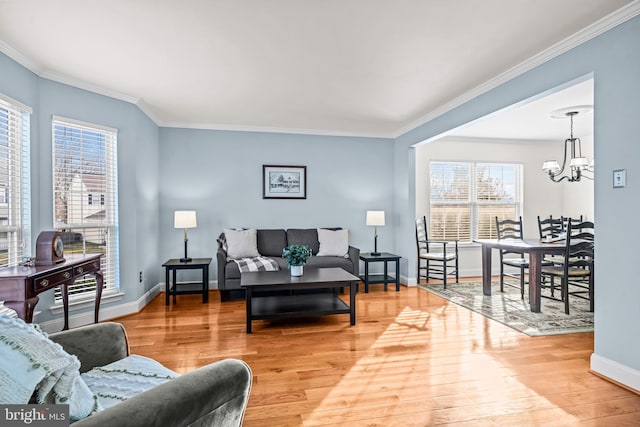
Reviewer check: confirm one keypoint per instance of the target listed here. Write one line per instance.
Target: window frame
(108, 229)
(473, 202)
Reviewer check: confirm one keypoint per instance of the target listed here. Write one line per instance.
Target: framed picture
(284, 182)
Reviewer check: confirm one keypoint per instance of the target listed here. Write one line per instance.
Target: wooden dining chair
(576, 273)
(437, 259)
(551, 226)
(511, 229)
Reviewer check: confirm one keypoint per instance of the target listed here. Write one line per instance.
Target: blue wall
(219, 174)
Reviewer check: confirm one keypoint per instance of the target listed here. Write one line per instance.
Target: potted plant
(296, 256)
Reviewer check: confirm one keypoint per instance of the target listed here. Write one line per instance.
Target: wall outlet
(140, 277)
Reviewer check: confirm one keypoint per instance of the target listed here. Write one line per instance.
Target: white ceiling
(350, 67)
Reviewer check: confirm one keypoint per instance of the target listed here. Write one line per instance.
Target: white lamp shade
(375, 218)
(184, 219)
(550, 165)
(579, 162)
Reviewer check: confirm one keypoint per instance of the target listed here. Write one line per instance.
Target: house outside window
(85, 165)
(466, 197)
(15, 189)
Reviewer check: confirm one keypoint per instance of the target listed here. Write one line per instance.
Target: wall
(540, 195)
(613, 60)
(137, 178)
(219, 174)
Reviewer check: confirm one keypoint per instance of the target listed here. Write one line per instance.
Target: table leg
(205, 284)
(352, 303)
(166, 286)
(175, 285)
(99, 284)
(535, 276)
(486, 270)
(397, 275)
(64, 290)
(366, 277)
(248, 295)
(386, 277)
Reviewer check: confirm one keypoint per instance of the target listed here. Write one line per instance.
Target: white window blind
(85, 170)
(465, 198)
(15, 199)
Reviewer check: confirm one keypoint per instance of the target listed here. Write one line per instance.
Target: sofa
(270, 243)
(213, 395)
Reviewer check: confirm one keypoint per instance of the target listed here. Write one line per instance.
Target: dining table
(536, 248)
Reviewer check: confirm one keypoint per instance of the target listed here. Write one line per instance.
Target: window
(84, 163)
(465, 198)
(15, 213)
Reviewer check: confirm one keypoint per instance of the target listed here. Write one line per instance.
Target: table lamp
(375, 218)
(184, 219)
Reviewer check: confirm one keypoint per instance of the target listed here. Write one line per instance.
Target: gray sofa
(270, 244)
(214, 395)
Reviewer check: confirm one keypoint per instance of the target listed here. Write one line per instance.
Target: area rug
(507, 308)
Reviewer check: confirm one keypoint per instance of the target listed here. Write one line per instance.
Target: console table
(20, 285)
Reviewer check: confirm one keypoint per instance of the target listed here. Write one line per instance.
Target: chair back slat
(550, 226)
(422, 235)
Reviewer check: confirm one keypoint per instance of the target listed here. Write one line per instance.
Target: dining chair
(511, 229)
(437, 259)
(551, 226)
(576, 273)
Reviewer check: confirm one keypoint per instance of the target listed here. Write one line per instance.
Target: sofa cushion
(271, 242)
(304, 236)
(241, 243)
(330, 261)
(333, 242)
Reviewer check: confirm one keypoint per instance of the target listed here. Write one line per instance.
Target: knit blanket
(33, 365)
(256, 264)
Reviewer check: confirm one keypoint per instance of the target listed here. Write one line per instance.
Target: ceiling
(348, 67)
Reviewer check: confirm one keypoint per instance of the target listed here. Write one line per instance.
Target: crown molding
(597, 28)
(20, 58)
(266, 129)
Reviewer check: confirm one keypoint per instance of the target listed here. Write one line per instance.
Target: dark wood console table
(20, 285)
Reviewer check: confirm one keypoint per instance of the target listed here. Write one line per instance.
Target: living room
(218, 173)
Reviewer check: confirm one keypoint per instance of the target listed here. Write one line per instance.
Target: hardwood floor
(413, 359)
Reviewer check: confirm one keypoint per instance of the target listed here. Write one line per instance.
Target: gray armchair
(214, 395)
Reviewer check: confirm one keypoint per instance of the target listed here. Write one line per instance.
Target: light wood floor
(413, 359)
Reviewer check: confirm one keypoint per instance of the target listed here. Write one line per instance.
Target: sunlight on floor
(413, 377)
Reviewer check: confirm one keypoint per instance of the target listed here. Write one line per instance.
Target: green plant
(296, 254)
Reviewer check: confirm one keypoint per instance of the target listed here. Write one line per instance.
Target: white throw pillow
(241, 243)
(333, 242)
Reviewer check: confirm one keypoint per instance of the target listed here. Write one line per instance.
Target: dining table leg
(486, 270)
(535, 280)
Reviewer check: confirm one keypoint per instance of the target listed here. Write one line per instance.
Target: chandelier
(579, 167)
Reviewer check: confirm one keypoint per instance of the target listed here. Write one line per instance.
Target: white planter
(296, 270)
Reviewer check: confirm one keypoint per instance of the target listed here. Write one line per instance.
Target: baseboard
(615, 372)
(106, 313)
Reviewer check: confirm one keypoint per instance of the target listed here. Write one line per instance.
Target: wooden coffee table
(261, 306)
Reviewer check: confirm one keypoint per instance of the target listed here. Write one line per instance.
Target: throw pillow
(333, 242)
(125, 378)
(241, 243)
(32, 363)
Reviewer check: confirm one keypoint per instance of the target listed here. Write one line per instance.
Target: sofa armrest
(221, 256)
(214, 395)
(354, 256)
(95, 345)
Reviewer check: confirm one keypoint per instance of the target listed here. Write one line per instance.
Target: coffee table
(261, 306)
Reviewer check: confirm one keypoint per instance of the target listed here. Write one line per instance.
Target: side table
(385, 257)
(173, 265)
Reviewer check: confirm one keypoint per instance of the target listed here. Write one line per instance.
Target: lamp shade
(375, 218)
(550, 165)
(184, 219)
(579, 162)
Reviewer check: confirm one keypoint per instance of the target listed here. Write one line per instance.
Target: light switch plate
(619, 178)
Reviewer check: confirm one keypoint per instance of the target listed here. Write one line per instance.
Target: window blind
(84, 171)
(15, 212)
(465, 198)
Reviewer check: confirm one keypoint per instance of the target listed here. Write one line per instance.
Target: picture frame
(284, 182)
